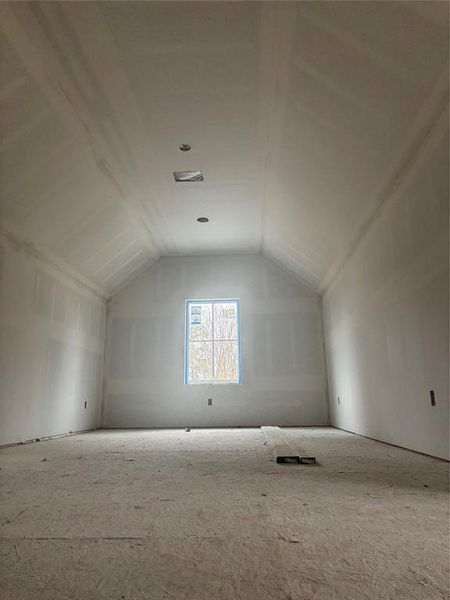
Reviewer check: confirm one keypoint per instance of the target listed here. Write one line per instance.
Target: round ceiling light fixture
(203, 219)
(185, 147)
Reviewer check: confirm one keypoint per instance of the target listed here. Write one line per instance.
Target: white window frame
(212, 301)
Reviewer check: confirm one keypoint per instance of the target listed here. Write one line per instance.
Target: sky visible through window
(212, 341)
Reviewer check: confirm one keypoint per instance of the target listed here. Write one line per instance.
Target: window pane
(200, 321)
(225, 321)
(200, 362)
(226, 362)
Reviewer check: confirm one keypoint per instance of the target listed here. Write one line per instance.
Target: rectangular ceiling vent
(188, 176)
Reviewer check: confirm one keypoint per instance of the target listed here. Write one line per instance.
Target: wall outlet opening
(432, 398)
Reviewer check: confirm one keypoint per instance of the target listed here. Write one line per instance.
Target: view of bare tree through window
(212, 341)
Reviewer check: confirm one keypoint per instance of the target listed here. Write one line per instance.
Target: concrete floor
(161, 515)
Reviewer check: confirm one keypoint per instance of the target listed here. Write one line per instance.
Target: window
(212, 342)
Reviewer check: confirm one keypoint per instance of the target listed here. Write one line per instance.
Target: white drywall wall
(386, 316)
(52, 342)
(283, 372)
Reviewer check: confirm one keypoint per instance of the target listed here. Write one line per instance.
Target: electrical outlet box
(432, 398)
(209, 401)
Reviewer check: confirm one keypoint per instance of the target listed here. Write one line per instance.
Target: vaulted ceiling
(301, 115)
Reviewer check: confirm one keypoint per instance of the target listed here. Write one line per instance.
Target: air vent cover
(188, 176)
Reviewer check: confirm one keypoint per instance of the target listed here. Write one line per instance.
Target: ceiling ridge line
(270, 255)
(134, 275)
(351, 41)
(277, 93)
(151, 211)
(107, 264)
(52, 87)
(426, 126)
(51, 262)
(96, 140)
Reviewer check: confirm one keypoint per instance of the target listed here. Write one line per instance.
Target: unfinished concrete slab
(208, 514)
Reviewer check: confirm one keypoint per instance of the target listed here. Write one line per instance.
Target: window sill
(215, 383)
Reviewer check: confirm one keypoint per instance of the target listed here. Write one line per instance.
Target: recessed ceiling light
(188, 176)
(203, 219)
(185, 147)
